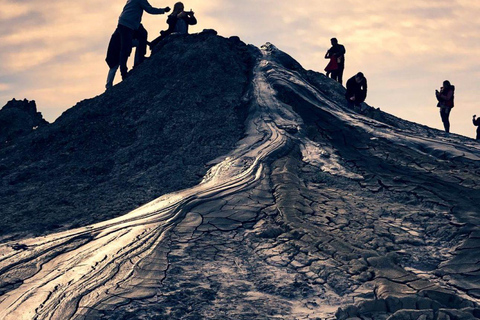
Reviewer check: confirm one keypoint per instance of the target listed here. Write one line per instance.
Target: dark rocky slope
(151, 134)
(17, 118)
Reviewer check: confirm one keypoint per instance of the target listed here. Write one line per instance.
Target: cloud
(4, 86)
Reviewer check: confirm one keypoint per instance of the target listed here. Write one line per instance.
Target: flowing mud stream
(319, 212)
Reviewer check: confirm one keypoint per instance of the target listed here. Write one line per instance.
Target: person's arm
(327, 55)
(148, 8)
(191, 20)
(447, 96)
(364, 90)
(476, 121)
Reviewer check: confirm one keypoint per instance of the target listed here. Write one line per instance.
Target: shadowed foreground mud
(319, 212)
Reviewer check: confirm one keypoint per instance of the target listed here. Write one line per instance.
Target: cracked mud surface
(320, 212)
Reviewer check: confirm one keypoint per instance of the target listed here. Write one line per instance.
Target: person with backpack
(445, 103)
(178, 22)
(337, 52)
(129, 27)
(476, 122)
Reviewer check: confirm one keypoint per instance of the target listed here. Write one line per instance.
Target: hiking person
(337, 51)
(476, 122)
(356, 90)
(129, 27)
(178, 22)
(445, 103)
(113, 52)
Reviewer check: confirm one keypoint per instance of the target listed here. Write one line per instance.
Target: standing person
(114, 47)
(128, 25)
(178, 22)
(445, 103)
(356, 90)
(476, 122)
(337, 51)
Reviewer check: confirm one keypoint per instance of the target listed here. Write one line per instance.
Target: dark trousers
(141, 35)
(337, 75)
(126, 37)
(478, 133)
(445, 113)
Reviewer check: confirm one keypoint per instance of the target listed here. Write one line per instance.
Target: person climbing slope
(129, 22)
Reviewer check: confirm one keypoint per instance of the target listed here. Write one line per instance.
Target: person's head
(334, 41)
(177, 8)
(359, 77)
(446, 84)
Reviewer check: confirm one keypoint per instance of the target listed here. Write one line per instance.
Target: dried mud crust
(149, 135)
(319, 213)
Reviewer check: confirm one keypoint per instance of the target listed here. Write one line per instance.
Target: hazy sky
(53, 52)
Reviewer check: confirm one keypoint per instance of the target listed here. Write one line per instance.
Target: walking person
(445, 103)
(129, 27)
(337, 51)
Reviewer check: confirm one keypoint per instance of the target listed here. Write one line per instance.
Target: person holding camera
(178, 22)
(476, 122)
(445, 103)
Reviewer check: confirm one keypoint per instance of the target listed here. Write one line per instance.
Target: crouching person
(356, 90)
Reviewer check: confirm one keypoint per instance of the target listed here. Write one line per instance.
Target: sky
(53, 51)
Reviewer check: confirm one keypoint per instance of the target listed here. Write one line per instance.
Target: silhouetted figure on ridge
(445, 103)
(114, 47)
(128, 24)
(356, 90)
(178, 22)
(337, 52)
(476, 122)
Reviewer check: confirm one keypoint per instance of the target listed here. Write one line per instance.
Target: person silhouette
(178, 22)
(356, 90)
(129, 27)
(476, 122)
(114, 47)
(337, 51)
(445, 103)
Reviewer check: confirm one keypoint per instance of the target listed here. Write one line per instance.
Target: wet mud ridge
(319, 212)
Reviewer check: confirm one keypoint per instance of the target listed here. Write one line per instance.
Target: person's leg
(126, 35)
(445, 113)
(334, 74)
(478, 133)
(111, 77)
(141, 35)
(340, 73)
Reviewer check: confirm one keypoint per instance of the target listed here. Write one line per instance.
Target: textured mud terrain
(318, 212)
(147, 136)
